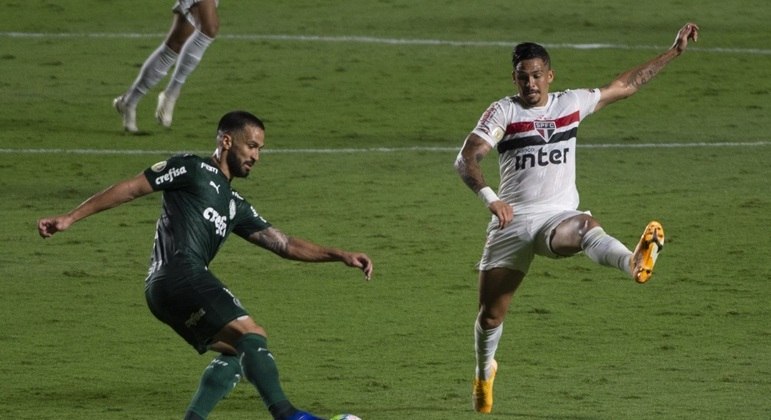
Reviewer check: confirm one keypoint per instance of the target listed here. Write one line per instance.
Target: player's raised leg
(583, 233)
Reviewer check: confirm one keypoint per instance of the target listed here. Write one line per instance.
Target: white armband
(488, 196)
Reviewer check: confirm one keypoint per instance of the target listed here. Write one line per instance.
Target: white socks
(606, 250)
(189, 57)
(154, 69)
(485, 344)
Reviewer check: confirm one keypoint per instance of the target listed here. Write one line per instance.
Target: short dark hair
(527, 51)
(237, 120)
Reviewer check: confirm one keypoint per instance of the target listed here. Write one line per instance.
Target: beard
(236, 168)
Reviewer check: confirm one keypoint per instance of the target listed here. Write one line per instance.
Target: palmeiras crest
(545, 129)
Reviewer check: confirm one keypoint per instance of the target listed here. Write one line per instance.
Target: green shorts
(192, 301)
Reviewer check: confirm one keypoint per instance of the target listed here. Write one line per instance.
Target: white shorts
(183, 8)
(527, 235)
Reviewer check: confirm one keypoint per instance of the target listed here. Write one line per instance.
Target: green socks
(221, 376)
(255, 362)
(260, 369)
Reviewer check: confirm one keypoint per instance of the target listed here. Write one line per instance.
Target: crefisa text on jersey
(220, 221)
(170, 175)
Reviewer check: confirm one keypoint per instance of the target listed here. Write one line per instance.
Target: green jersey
(199, 212)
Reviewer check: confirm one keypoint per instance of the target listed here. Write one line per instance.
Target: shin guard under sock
(218, 379)
(259, 368)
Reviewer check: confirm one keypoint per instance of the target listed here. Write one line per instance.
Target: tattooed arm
(298, 249)
(467, 164)
(629, 82)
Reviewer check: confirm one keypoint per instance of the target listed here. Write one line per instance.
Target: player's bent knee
(490, 320)
(579, 224)
(237, 328)
(567, 237)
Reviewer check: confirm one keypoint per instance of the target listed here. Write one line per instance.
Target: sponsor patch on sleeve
(498, 133)
(159, 167)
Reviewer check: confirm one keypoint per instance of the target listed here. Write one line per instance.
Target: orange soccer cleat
(482, 393)
(646, 252)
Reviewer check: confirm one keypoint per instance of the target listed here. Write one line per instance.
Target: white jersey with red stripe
(537, 148)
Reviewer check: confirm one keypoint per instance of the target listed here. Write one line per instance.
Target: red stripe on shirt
(525, 126)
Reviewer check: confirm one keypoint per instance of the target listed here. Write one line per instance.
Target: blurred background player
(194, 26)
(536, 213)
(199, 212)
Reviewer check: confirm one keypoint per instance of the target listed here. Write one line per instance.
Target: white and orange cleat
(482, 392)
(646, 252)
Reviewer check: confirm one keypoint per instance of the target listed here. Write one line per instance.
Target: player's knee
(490, 318)
(577, 226)
(585, 223)
(210, 29)
(567, 238)
(256, 329)
(176, 40)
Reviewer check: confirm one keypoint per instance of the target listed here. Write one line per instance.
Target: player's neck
(220, 162)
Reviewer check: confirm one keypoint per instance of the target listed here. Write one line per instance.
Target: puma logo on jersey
(216, 187)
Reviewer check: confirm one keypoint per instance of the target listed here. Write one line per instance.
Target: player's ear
(226, 140)
(551, 75)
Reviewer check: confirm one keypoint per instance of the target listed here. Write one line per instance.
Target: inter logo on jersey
(545, 129)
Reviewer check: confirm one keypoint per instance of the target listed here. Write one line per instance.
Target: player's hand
(361, 261)
(503, 211)
(47, 226)
(686, 33)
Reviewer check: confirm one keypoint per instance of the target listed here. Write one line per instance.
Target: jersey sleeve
(247, 220)
(492, 124)
(586, 99)
(173, 173)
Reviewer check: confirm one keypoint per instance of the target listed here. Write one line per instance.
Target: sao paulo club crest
(545, 129)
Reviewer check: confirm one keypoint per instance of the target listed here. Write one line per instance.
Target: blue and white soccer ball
(345, 417)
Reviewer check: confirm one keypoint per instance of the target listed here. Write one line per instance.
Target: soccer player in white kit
(193, 29)
(535, 209)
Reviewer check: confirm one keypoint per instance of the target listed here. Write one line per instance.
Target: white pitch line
(386, 41)
(372, 149)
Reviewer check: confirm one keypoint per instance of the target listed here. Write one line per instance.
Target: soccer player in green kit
(199, 211)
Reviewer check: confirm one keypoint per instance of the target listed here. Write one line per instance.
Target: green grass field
(366, 103)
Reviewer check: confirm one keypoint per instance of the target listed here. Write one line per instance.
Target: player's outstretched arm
(113, 196)
(298, 249)
(629, 82)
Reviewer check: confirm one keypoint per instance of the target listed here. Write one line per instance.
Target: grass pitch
(388, 90)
